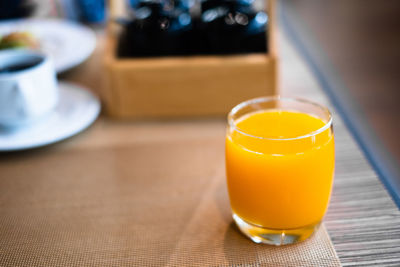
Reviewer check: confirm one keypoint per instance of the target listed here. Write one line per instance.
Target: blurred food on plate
(19, 39)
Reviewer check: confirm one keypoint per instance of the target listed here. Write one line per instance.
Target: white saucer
(76, 110)
(68, 43)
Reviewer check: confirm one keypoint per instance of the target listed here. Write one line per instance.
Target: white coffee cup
(28, 87)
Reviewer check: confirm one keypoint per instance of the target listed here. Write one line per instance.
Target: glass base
(277, 237)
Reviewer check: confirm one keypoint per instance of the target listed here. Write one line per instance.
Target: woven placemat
(136, 195)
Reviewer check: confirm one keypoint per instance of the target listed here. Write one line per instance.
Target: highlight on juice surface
(280, 160)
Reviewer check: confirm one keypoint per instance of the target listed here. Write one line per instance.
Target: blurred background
(80, 10)
(162, 27)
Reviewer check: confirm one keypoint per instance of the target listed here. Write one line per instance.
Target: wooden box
(186, 86)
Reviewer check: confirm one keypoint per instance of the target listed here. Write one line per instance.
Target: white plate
(68, 43)
(76, 110)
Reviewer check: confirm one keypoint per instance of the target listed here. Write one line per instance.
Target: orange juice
(280, 166)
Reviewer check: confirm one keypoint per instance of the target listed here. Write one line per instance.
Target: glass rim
(236, 108)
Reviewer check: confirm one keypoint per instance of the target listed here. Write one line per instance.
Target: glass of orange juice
(280, 161)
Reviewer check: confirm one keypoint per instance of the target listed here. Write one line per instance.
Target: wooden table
(363, 221)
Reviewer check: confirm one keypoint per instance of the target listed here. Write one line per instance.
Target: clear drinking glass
(280, 162)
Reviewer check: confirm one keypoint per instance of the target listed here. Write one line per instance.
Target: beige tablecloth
(143, 194)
